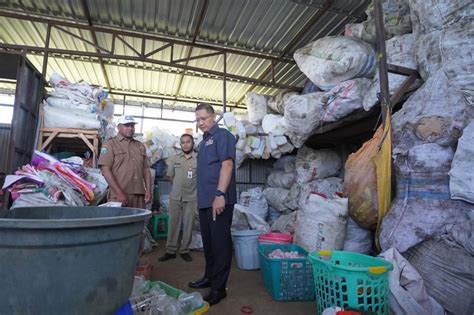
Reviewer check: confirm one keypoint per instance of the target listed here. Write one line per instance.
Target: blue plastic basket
(287, 279)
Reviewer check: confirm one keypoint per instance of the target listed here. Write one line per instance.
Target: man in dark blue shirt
(216, 196)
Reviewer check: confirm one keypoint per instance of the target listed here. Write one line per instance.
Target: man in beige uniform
(182, 173)
(125, 166)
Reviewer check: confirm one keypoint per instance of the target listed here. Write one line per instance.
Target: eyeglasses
(201, 119)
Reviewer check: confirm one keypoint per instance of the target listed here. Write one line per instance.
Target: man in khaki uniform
(125, 166)
(182, 173)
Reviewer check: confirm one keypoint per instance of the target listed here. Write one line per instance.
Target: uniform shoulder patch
(103, 150)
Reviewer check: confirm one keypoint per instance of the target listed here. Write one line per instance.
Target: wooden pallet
(90, 137)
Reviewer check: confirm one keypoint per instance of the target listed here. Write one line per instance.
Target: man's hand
(121, 197)
(147, 196)
(218, 206)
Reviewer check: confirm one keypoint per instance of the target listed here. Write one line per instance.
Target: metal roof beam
(233, 77)
(170, 98)
(326, 6)
(116, 63)
(190, 50)
(338, 12)
(85, 8)
(113, 30)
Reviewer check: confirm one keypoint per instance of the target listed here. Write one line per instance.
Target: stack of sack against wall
(396, 20)
(431, 144)
(160, 144)
(260, 137)
(78, 106)
(430, 218)
(427, 129)
(50, 182)
(304, 190)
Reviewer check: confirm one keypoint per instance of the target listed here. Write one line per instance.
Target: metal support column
(45, 58)
(381, 59)
(224, 84)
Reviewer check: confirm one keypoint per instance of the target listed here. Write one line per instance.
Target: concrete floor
(243, 288)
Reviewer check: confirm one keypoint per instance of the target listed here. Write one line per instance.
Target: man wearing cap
(125, 166)
(182, 174)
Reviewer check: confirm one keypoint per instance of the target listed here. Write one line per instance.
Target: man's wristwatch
(219, 193)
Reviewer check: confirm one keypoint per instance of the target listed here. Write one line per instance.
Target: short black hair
(186, 135)
(207, 107)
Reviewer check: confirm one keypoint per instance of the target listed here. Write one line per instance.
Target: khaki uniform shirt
(127, 159)
(184, 171)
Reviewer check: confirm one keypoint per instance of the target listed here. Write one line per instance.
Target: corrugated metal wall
(252, 173)
(4, 144)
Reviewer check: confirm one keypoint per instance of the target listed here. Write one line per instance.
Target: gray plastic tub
(68, 260)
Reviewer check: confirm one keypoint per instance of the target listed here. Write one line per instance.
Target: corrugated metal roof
(263, 26)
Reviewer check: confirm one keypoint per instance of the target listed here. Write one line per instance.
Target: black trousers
(217, 242)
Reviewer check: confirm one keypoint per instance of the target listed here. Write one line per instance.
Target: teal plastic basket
(350, 280)
(287, 279)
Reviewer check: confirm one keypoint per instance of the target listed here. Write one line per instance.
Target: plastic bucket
(275, 238)
(246, 248)
(68, 260)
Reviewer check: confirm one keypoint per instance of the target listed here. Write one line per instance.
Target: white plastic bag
(438, 14)
(255, 201)
(56, 117)
(256, 222)
(407, 292)
(436, 112)
(303, 114)
(274, 124)
(316, 164)
(461, 179)
(422, 192)
(257, 107)
(399, 52)
(275, 197)
(343, 99)
(281, 179)
(333, 59)
(358, 239)
(285, 223)
(298, 192)
(321, 223)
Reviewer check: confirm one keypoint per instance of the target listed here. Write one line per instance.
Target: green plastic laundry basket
(287, 279)
(350, 280)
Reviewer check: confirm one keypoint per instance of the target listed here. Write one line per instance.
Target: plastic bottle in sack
(190, 301)
(141, 303)
(173, 308)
